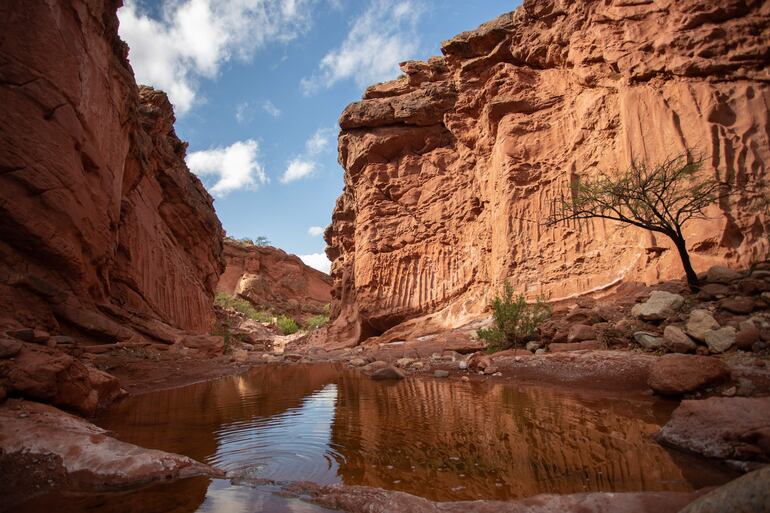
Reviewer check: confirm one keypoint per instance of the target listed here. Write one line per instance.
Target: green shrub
(317, 321)
(242, 306)
(515, 320)
(287, 325)
(222, 330)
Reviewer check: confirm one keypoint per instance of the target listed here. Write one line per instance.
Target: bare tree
(660, 199)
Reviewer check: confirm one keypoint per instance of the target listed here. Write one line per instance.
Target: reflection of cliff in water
(440, 439)
(186, 420)
(446, 440)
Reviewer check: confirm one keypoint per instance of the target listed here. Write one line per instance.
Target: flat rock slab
(603, 370)
(363, 499)
(676, 374)
(747, 494)
(82, 456)
(734, 428)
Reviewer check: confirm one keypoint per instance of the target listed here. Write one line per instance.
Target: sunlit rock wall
(451, 169)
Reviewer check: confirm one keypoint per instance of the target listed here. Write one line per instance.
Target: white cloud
(243, 112)
(306, 164)
(297, 169)
(271, 109)
(193, 38)
(384, 35)
(317, 261)
(315, 231)
(234, 167)
(319, 141)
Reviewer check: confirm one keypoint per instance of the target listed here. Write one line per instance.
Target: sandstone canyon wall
(451, 169)
(104, 232)
(271, 279)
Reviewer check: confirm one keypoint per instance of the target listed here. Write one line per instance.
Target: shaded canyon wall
(451, 170)
(103, 229)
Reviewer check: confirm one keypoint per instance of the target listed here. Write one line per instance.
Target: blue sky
(258, 86)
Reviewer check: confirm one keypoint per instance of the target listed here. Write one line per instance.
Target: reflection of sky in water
(273, 447)
(222, 497)
(297, 441)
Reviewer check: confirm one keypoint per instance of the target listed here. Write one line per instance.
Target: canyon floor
(713, 405)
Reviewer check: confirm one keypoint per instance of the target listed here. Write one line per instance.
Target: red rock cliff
(103, 229)
(273, 280)
(451, 169)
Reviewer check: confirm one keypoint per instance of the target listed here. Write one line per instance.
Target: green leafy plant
(242, 306)
(515, 320)
(317, 321)
(222, 330)
(287, 325)
(259, 240)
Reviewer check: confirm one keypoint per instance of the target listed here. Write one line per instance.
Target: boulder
(357, 362)
(660, 305)
(479, 361)
(9, 347)
(699, 322)
(713, 291)
(747, 494)
(581, 332)
(575, 346)
(533, 346)
(740, 305)
(374, 366)
(747, 335)
(46, 374)
(676, 340)
(404, 362)
(676, 374)
(734, 428)
(204, 345)
(649, 341)
(721, 274)
(240, 355)
(719, 341)
(582, 316)
(491, 370)
(30, 335)
(752, 286)
(388, 373)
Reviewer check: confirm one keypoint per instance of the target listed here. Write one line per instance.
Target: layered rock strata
(273, 280)
(451, 169)
(104, 232)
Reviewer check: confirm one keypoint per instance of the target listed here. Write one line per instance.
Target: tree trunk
(692, 277)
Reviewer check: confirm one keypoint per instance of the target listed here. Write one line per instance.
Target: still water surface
(439, 439)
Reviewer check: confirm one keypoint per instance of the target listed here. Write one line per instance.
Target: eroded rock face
(104, 232)
(273, 280)
(451, 170)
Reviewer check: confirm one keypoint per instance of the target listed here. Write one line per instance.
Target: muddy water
(439, 439)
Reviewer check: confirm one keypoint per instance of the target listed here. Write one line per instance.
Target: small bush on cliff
(515, 320)
(661, 199)
(317, 321)
(287, 325)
